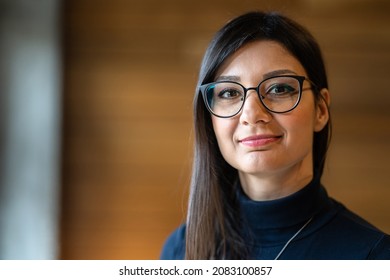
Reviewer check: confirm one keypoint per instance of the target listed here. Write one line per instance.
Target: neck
(260, 187)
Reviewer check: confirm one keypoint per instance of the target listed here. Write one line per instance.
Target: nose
(253, 111)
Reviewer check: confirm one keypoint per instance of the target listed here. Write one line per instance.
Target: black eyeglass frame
(300, 79)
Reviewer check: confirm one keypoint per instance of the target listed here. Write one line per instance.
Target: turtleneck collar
(284, 214)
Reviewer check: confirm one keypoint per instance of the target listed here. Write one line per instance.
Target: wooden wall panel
(130, 72)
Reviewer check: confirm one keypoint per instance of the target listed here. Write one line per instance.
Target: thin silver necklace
(292, 238)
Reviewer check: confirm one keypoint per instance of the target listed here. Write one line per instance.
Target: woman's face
(256, 141)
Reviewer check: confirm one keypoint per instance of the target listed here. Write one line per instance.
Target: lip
(259, 140)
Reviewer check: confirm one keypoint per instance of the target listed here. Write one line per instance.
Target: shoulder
(174, 246)
(359, 236)
(379, 241)
(381, 250)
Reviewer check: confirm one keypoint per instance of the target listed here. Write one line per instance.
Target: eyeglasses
(278, 94)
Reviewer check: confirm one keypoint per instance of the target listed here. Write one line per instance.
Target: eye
(281, 89)
(229, 93)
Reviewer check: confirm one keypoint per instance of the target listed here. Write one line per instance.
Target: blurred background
(96, 121)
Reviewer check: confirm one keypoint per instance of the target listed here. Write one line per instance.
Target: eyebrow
(278, 72)
(228, 78)
(265, 76)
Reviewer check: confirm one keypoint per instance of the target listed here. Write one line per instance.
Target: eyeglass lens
(278, 94)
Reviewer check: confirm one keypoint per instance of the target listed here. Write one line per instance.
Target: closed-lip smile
(259, 140)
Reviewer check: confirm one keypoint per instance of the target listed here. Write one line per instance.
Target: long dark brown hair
(213, 223)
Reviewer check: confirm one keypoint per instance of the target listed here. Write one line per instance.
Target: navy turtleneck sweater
(334, 232)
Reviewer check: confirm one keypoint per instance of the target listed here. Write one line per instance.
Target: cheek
(224, 131)
(299, 126)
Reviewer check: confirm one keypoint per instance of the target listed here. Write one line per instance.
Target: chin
(258, 170)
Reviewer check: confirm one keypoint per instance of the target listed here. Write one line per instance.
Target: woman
(262, 128)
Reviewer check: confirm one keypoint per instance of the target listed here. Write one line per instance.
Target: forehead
(257, 59)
